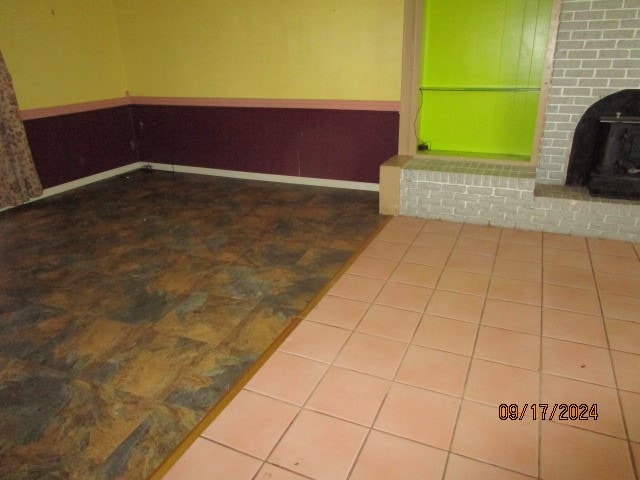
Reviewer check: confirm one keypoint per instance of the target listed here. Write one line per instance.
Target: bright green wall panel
(486, 45)
(484, 122)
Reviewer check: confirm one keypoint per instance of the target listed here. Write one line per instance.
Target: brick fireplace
(597, 54)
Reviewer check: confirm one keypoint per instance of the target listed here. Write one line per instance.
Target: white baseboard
(81, 182)
(264, 177)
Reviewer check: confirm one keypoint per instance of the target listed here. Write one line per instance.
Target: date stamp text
(547, 411)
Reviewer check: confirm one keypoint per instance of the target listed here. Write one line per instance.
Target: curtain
(18, 177)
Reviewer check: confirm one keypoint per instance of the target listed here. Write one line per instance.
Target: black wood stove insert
(605, 154)
(617, 172)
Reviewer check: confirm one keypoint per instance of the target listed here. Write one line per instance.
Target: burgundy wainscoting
(330, 144)
(77, 145)
(318, 143)
(347, 144)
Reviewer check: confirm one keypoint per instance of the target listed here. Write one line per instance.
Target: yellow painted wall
(61, 52)
(302, 49)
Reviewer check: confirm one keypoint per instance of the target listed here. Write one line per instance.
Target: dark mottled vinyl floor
(129, 307)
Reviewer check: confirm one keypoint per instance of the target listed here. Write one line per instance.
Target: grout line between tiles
(195, 433)
(462, 396)
(466, 380)
(615, 377)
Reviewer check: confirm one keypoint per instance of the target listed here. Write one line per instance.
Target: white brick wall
(597, 53)
(511, 203)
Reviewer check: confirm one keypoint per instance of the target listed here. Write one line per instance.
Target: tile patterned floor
(399, 371)
(128, 308)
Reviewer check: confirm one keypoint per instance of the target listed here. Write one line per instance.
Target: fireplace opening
(605, 154)
(618, 170)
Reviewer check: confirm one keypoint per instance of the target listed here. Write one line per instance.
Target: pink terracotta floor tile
(524, 253)
(462, 468)
(405, 296)
(443, 227)
(389, 322)
(315, 341)
(420, 415)
(615, 264)
(623, 335)
(476, 246)
(509, 347)
(558, 390)
(518, 269)
(463, 282)
(373, 355)
(611, 247)
(577, 361)
(205, 460)
(319, 446)
(484, 232)
(513, 290)
(287, 377)
(446, 334)
(575, 327)
(252, 424)
(426, 256)
(372, 267)
(388, 250)
(571, 299)
(406, 223)
(469, 262)
(395, 235)
(635, 449)
(568, 242)
(389, 457)
(620, 307)
(521, 237)
(512, 316)
(631, 407)
(457, 306)
(416, 274)
(349, 395)
(600, 456)
(436, 370)
(620, 284)
(337, 311)
(626, 366)
(566, 258)
(435, 240)
(569, 277)
(356, 288)
(388, 298)
(509, 444)
(494, 383)
(273, 472)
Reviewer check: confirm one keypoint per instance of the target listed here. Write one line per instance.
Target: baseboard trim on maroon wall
(263, 177)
